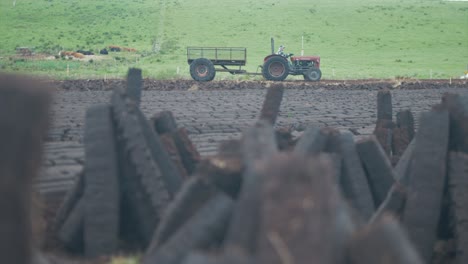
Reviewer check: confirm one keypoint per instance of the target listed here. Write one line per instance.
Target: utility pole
(302, 50)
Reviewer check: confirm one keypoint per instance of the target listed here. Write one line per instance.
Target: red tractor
(276, 67)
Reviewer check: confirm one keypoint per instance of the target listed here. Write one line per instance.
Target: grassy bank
(355, 39)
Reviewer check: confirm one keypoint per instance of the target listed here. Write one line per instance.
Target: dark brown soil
(167, 85)
(212, 116)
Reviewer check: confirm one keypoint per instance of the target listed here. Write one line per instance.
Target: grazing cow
(103, 52)
(115, 48)
(129, 49)
(71, 54)
(78, 55)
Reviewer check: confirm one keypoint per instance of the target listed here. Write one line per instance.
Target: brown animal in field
(71, 54)
(78, 55)
(129, 49)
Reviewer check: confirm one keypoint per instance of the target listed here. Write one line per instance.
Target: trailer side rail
(218, 56)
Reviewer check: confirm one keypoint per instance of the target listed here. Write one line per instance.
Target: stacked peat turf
(329, 200)
(266, 199)
(176, 141)
(129, 176)
(431, 173)
(310, 204)
(24, 118)
(394, 137)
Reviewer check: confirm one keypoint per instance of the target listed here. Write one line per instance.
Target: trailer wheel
(313, 74)
(275, 69)
(202, 70)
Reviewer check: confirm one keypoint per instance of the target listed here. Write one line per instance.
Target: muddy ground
(220, 110)
(171, 85)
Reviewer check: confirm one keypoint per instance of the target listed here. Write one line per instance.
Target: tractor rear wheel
(275, 69)
(202, 70)
(313, 74)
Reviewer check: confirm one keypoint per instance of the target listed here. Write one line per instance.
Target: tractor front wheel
(202, 70)
(313, 74)
(275, 69)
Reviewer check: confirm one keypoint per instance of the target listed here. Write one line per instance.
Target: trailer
(202, 61)
(275, 67)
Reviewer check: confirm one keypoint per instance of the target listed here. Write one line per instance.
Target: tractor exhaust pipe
(272, 46)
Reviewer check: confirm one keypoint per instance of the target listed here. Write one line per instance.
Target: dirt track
(216, 111)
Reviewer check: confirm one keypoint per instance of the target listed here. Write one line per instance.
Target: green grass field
(355, 38)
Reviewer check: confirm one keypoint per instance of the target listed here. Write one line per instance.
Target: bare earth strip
(211, 116)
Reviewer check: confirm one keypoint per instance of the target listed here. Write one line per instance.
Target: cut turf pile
(24, 117)
(133, 169)
(265, 198)
(394, 137)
